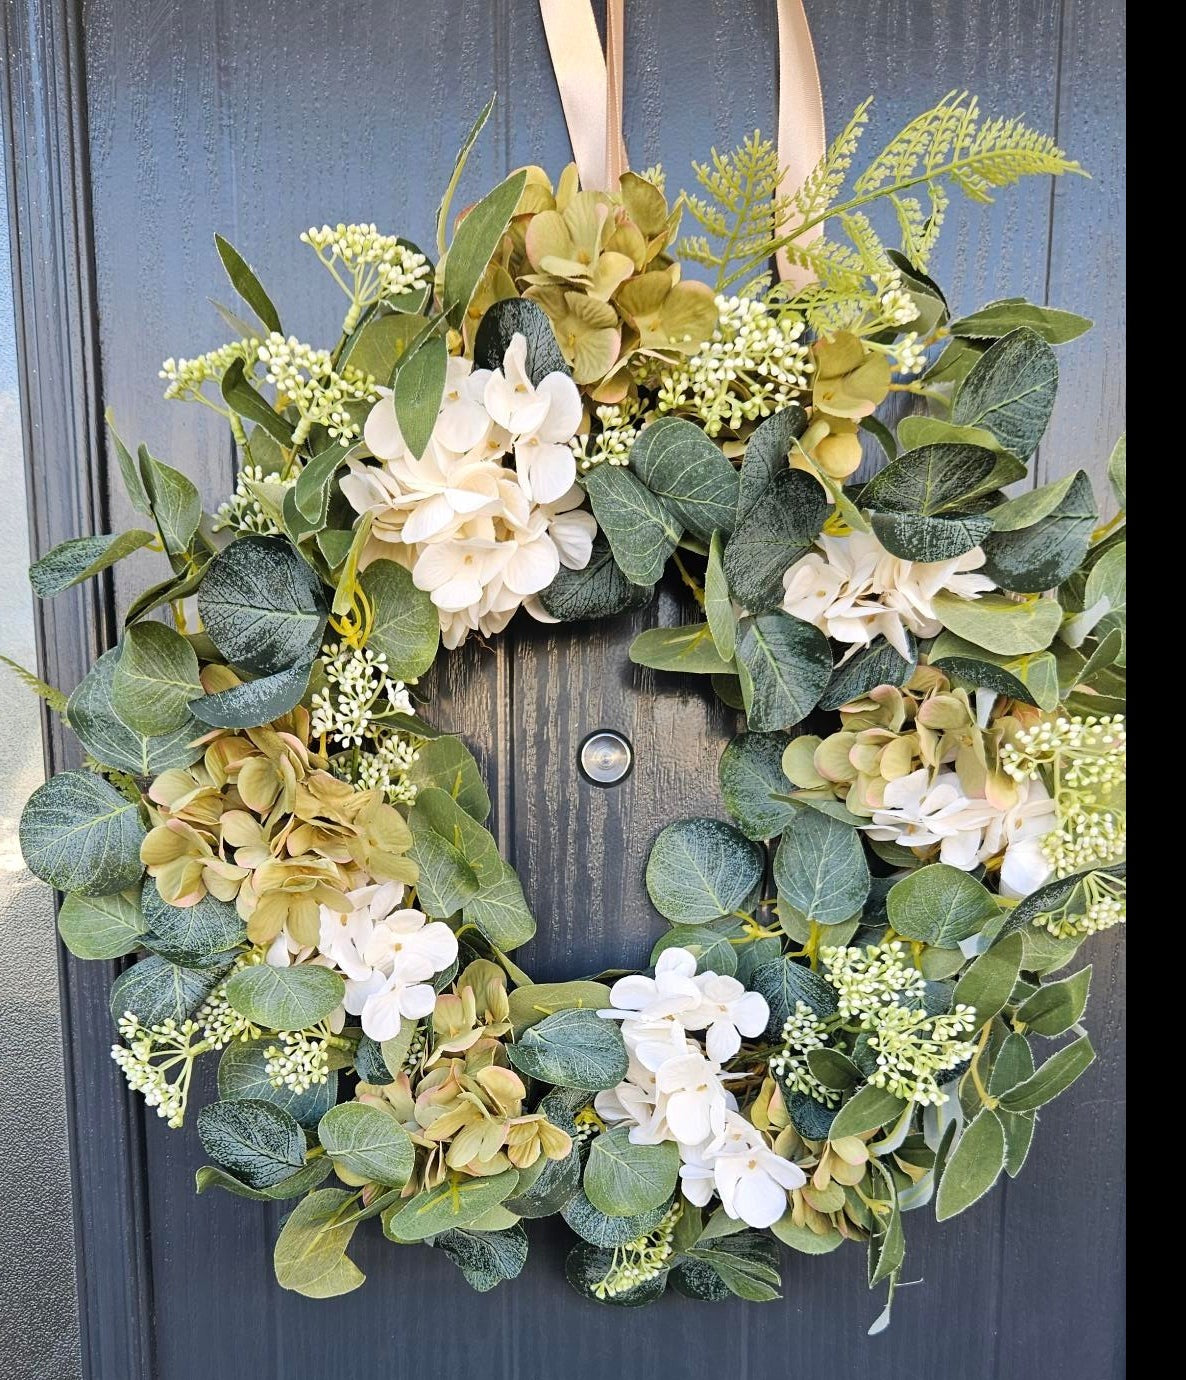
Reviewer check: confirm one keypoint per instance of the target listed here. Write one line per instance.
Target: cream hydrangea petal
(533, 567)
(563, 418)
(545, 471)
(573, 535)
(381, 431)
(722, 1041)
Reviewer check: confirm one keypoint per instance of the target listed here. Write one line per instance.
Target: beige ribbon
(590, 83)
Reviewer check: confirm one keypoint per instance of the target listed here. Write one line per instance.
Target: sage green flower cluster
(879, 998)
(243, 511)
(642, 1259)
(802, 1032)
(1084, 761)
(753, 365)
(367, 265)
(299, 1060)
(307, 380)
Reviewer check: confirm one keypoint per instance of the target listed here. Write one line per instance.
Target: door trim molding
(43, 96)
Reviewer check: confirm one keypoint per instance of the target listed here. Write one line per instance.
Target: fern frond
(740, 207)
(49, 693)
(825, 183)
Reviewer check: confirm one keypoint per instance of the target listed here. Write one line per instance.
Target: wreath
(848, 1015)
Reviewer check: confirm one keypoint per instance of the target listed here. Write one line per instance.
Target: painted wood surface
(260, 119)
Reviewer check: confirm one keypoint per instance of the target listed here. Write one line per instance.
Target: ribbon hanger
(591, 92)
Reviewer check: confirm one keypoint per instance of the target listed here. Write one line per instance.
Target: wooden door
(139, 127)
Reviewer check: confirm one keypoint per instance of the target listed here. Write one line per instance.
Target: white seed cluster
(755, 364)
(298, 1061)
(611, 445)
(359, 690)
(376, 265)
(640, 1260)
(914, 1048)
(306, 379)
(897, 306)
(868, 981)
(1084, 761)
(908, 354)
(1096, 903)
(384, 767)
(187, 377)
(802, 1032)
(150, 1054)
(220, 1022)
(243, 511)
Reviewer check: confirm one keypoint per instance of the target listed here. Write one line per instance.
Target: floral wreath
(846, 1017)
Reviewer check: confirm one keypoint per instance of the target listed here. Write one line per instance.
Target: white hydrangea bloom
(481, 532)
(854, 590)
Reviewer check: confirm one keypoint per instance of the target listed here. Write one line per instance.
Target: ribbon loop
(590, 83)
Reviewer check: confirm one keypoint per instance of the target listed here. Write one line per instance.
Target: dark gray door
(139, 127)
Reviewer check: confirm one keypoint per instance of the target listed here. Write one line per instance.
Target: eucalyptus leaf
(448, 763)
(586, 1266)
(500, 911)
(436, 811)
(458, 1202)
(940, 905)
(784, 983)
(378, 344)
(1046, 551)
(750, 774)
(1010, 391)
(93, 717)
(155, 678)
(702, 869)
(718, 603)
(73, 561)
(101, 926)
(689, 473)
(292, 998)
(191, 936)
(257, 1141)
(255, 702)
(998, 623)
(767, 454)
(820, 869)
(623, 1179)
(874, 665)
(176, 506)
(243, 1073)
(406, 625)
(369, 1142)
(777, 530)
(537, 1000)
(929, 539)
(641, 532)
(446, 881)
(599, 590)
(930, 481)
(79, 834)
(545, 1193)
(129, 470)
(600, 1229)
(1000, 318)
(310, 1256)
(711, 946)
(1118, 470)
(690, 648)
(519, 316)
(1032, 678)
(572, 1049)
(295, 1186)
(785, 664)
(262, 606)
(155, 990)
(485, 1258)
